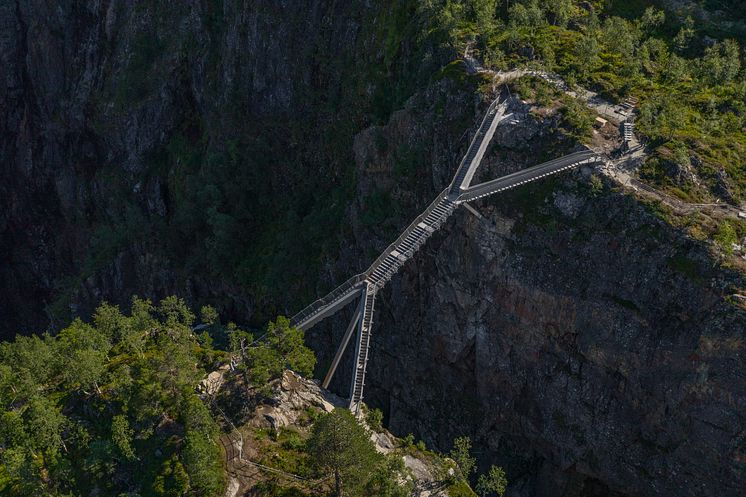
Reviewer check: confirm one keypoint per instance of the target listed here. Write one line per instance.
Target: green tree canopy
(461, 454)
(282, 348)
(340, 446)
(109, 407)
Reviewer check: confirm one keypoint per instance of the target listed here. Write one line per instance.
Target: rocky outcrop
(292, 398)
(582, 342)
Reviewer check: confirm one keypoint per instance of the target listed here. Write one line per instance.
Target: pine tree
(340, 446)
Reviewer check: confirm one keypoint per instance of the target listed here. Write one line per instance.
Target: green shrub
(291, 440)
(597, 185)
(461, 453)
(459, 488)
(374, 418)
(576, 118)
(726, 237)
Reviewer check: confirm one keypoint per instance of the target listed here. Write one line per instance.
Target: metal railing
(529, 175)
(438, 199)
(476, 142)
(342, 290)
(328, 299)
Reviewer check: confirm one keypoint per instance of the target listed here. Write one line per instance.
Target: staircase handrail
(578, 158)
(328, 298)
(476, 141)
(406, 232)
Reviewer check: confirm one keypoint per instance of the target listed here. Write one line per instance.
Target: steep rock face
(578, 339)
(168, 147)
(628, 372)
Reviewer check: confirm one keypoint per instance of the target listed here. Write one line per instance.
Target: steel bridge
(365, 285)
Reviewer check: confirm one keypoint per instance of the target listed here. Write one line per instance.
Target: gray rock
(576, 335)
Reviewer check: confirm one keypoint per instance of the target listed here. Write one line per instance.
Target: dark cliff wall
(582, 342)
(170, 147)
(578, 345)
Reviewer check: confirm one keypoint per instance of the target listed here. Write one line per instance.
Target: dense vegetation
(691, 87)
(335, 454)
(341, 447)
(111, 407)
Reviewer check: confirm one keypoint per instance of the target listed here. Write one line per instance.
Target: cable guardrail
(329, 298)
(476, 142)
(230, 453)
(409, 229)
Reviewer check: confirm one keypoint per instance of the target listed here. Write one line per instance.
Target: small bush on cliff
(726, 237)
(374, 418)
(494, 480)
(461, 453)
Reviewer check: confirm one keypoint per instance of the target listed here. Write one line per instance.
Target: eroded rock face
(111, 108)
(291, 396)
(578, 339)
(619, 374)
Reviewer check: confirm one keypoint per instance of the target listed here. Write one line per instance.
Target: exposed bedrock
(579, 340)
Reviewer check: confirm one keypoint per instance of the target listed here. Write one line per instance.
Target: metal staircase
(329, 304)
(367, 284)
(472, 159)
(363, 345)
(404, 247)
(383, 268)
(411, 239)
(628, 128)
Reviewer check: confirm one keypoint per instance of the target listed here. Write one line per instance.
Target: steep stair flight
(365, 285)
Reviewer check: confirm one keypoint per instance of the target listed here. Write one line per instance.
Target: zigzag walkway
(459, 191)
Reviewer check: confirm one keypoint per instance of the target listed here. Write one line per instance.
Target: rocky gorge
(255, 157)
(591, 347)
